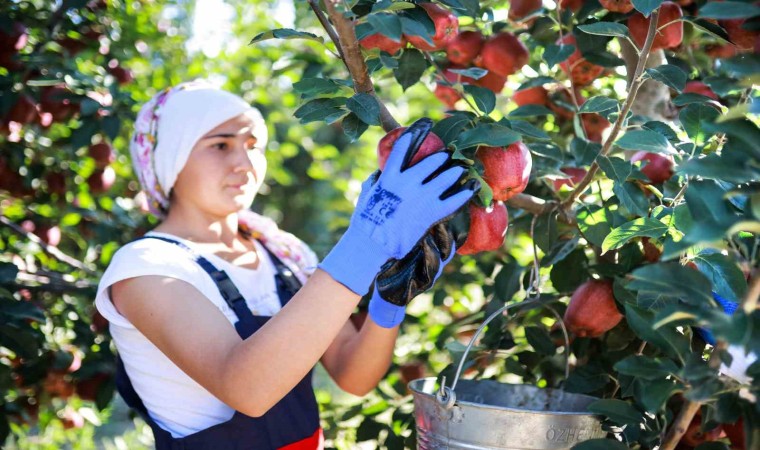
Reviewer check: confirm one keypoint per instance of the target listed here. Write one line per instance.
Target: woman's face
(224, 171)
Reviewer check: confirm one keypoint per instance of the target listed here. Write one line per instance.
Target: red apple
(57, 385)
(560, 102)
(24, 111)
(87, 389)
(99, 324)
(447, 95)
(659, 168)
(71, 45)
(383, 43)
(488, 226)
(411, 371)
(56, 183)
(430, 145)
(720, 51)
(102, 153)
(573, 5)
(49, 234)
(698, 87)
(592, 311)
(743, 39)
(518, 9)
(580, 71)
(123, 76)
(621, 6)
(14, 40)
(695, 436)
(652, 252)
(506, 170)
(537, 95)
(503, 54)
(464, 47)
(56, 101)
(491, 81)
(669, 37)
(735, 433)
(594, 124)
(446, 27)
(576, 174)
(101, 180)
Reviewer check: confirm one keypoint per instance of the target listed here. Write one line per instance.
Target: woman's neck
(201, 227)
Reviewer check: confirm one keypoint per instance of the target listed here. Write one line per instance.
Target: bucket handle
(445, 395)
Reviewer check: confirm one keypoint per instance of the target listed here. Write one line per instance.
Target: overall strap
(287, 283)
(227, 288)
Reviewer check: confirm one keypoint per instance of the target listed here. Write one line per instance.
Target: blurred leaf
(530, 111)
(535, 81)
(416, 22)
(490, 134)
(645, 140)
(386, 24)
(727, 166)
(598, 104)
(411, 66)
(643, 226)
(669, 75)
(674, 280)
(646, 368)
(618, 411)
(600, 444)
(594, 223)
(475, 73)
(743, 64)
(8, 272)
(663, 129)
(555, 54)
(326, 109)
(528, 129)
(615, 168)
(315, 87)
(111, 126)
(559, 251)
(606, 29)
(647, 6)
(449, 128)
(539, 339)
(713, 445)
(709, 27)
(711, 214)
(484, 98)
(388, 5)
(285, 33)
(631, 197)
(727, 279)
(689, 98)
(728, 10)
(692, 118)
(570, 272)
(585, 152)
(366, 108)
(353, 126)
(653, 394)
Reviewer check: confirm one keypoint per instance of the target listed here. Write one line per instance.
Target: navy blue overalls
(292, 424)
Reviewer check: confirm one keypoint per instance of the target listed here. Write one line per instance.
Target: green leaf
(528, 129)
(728, 10)
(353, 126)
(111, 126)
(600, 444)
(537, 81)
(539, 339)
(366, 108)
(742, 65)
(647, 6)
(618, 411)
(530, 111)
(712, 445)
(669, 75)
(411, 66)
(598, 104)
(645, 140)
(641, 227)
(324, 109)
(475, 73)
(709, 27)
(711, 213)
(645, 367)
(632, 198)
(727, 279)
(689, 98)
(594, 223)
(388, 5)
(585, 152)
(663, 129)
(668, 340)
(693, 117)
(555, 54)
(8, 272)
(285, 33)
(491, 134)
(386, 24)
(449, 128)
(616, 169)
(730, 165)
(673, 279)
(606, 29)
(416, 22)
(315, 87)
(485, 99)
(652, 395)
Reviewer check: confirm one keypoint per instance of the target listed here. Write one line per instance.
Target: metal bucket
(485, 414)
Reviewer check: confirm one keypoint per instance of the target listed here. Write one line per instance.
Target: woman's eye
(221, 146)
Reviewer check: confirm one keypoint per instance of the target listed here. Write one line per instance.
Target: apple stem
(636, 83)
(348, 47)
(53, 251)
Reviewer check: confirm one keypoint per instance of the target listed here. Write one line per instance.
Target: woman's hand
(396, 209)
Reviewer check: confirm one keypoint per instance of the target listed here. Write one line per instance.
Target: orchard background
(555, 126)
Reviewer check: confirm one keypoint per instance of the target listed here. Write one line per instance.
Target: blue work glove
(728, 307)
(394, 212)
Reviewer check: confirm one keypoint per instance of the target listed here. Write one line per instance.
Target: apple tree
(614, 141)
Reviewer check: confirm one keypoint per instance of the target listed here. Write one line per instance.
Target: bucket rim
(416, 392)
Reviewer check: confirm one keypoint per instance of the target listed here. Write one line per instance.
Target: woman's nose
(242, 158)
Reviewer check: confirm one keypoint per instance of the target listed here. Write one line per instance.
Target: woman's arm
(249, 375)
(358, 360)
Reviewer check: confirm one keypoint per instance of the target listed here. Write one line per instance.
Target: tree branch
(348, 47)
(635, 85)
(49, 249)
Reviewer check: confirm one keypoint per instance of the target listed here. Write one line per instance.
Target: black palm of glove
(400, 280)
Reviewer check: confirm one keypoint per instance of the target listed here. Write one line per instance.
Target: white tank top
(174, 400)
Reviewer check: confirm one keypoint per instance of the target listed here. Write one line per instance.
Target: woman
(218, 316)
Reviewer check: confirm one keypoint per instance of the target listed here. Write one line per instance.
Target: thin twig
(635, 85)
(49, 249)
